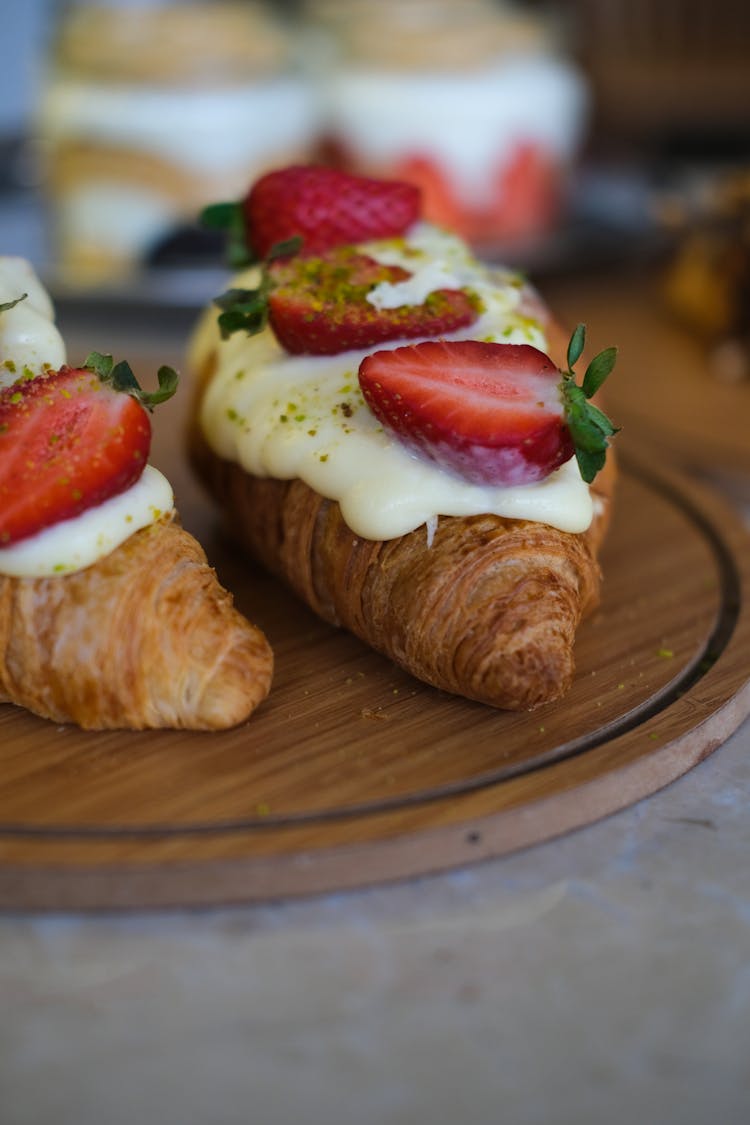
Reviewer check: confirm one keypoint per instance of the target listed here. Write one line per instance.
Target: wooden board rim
(676, 736)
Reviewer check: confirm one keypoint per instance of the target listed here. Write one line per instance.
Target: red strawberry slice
(440, 204)
(319, 306)
(67, 443)
(489, 412)
(326, 208)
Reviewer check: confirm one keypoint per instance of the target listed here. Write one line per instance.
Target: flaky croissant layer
(487, 610)
(144, 638)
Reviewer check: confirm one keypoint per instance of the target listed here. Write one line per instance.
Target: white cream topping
(30, 342)
(470, 121)
(76, 543)
(285, 416)
(201, 130)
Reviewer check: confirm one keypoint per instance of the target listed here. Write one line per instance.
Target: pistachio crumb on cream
(30, 344)
(304, 416)
(76, 543)
(29, 341)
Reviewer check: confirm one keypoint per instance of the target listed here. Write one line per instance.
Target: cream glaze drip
(29, 340)
(285, 416)
(30, 344)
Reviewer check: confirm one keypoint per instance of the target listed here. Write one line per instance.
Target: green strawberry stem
(230, 218)
(247, 309)
(120, 376)
(12, 304)
(589, 427)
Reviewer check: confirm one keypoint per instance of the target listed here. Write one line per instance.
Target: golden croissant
(144, 638)
(487, 610)
(367, 395)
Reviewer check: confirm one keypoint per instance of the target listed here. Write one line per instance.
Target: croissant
(144, 638)
(322, 452)
(487, 610)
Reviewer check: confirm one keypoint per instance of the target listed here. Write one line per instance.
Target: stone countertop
(601, 977)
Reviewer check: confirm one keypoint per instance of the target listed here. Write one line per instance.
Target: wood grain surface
(352, 772)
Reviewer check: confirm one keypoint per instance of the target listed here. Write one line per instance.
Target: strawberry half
(492, 413)
(319, 306)
(67, 443)
(326, 208)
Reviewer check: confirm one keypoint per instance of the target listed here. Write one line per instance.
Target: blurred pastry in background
(707, 282)
(666, 76)
(470, 100)
(149, 109)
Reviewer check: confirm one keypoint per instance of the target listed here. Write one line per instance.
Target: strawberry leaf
(12, 304)
(598, 370)
(101, 364)
(285, 248)
(219, 216)
(244, 309)
(168, 380)
(590, 463)
(122, 379)
(120, 376)
(247, 309)
(589, 426)
(600, 419)
(576, 346)
(230, 218)
(250, 317)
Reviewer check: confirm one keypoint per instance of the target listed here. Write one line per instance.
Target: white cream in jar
(29, 345)
(285, 416)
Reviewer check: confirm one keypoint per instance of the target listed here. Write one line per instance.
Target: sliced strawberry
(326, 208)
(319, 305)
(492, 413)
(528, 194)
(440, 204)
(67, 442)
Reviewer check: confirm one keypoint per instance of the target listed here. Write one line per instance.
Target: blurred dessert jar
(467, 98)
(151, 109)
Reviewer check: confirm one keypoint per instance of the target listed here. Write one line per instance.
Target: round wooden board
(353, 773)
